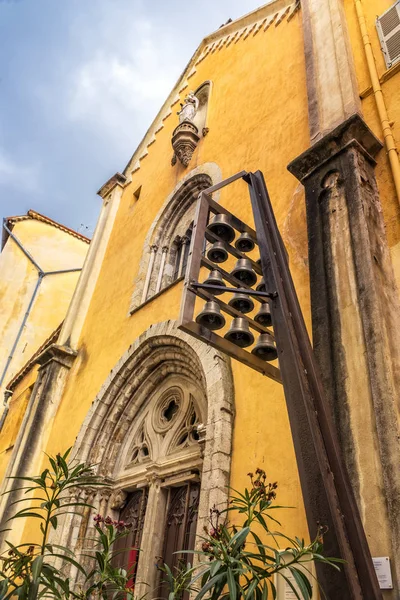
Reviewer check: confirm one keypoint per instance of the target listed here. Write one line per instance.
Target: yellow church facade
(308, 93)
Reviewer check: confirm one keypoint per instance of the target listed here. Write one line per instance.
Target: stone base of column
(356, 320)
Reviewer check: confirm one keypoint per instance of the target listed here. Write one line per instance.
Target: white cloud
(123, 86)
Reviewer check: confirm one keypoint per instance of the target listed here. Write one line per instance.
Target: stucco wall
(53, 250)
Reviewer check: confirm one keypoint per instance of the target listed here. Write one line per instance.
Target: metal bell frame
(326, 486)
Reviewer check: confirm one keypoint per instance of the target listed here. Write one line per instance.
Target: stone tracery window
(166, 248)
(164, 442)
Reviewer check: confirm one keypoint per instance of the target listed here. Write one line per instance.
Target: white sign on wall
(284, 589)
(383, 572)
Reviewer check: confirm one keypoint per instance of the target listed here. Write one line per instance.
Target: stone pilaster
(33, 435)
(355, 319)
(152, 542)
(331, 81)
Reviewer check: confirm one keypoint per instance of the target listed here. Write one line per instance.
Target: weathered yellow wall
(391, 87)
(257, 120)
(17, 406)
(53, 249)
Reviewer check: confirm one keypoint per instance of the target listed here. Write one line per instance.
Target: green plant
(28, 571)
(178, 579)
(239, 566)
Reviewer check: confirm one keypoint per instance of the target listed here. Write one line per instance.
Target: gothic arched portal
(161, 424)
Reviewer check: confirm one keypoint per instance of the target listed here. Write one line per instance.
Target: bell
(239, 333)
(215, 278)
(261, 286)
(211, 316)
(263, 317)
(220, 226)
(245, 242)
(242, 303)
(243, 272)
(265, 348)
(217, 253)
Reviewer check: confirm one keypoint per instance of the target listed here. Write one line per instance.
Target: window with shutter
(388, 26)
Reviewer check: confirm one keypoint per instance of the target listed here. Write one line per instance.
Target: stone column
(331, 80)
(355, 318)
(354, 300)
(152, 541)
(111, 193)
(34, 432)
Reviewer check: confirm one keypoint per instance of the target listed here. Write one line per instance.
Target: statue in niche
(185, 136)
(189, 108)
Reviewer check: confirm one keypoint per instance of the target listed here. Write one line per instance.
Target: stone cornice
(55, 353)
(353, 130)
(117, 179)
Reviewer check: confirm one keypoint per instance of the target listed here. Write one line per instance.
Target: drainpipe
(21, 327)
(41, 275)
(379, 99)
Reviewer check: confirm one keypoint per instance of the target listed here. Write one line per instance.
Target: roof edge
(32, 214)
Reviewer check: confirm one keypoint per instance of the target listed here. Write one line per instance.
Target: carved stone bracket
(184, 141)
(64, 355)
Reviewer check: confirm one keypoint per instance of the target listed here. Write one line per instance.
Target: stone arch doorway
(163, 420)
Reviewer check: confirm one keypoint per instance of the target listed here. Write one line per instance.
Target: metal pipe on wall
(390, 142)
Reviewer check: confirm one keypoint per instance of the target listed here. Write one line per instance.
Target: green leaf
(290, 584)
(231, 584)
(100, 560)
(302, 582)
(70, 560)
(251, 588)
(239, 538)
(53, 521)
(22, 515)
(37, 567)
(220, 578)
(214, 567)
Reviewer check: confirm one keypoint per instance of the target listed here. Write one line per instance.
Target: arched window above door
(166, 248)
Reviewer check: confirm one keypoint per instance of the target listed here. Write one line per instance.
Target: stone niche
(192, 124)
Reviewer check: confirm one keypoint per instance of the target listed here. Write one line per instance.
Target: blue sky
(80, 83)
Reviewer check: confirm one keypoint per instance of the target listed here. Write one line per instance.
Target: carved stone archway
(159, 353)
(175, 215)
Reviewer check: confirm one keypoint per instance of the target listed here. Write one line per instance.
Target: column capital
(353, 131)
(64, 355)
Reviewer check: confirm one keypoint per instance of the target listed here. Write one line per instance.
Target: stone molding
(64, 355)
(117, 179)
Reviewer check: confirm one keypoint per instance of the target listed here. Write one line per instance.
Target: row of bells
(218, 253)
(215, 278)
(221, 226)
(239, 332)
